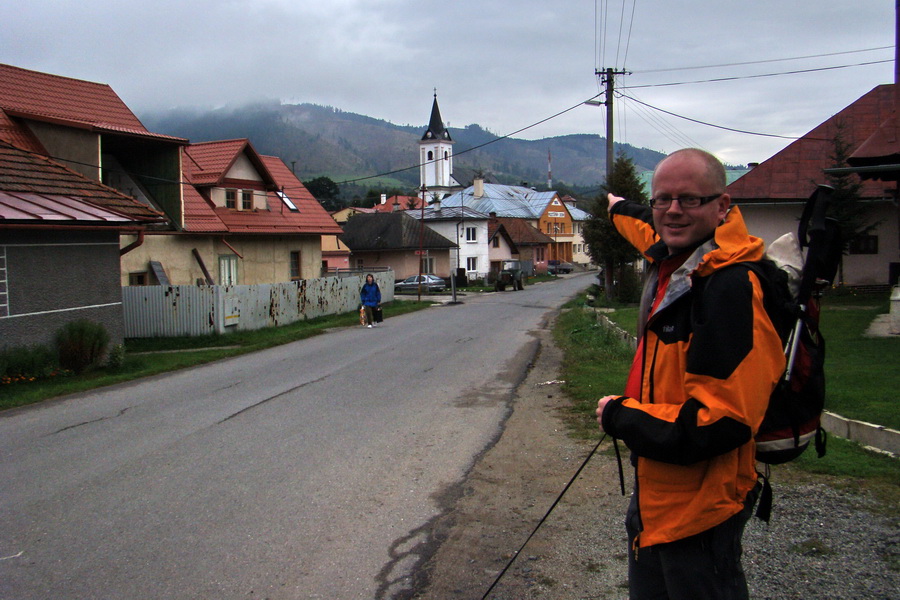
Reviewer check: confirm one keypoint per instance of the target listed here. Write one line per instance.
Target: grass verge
(596, 363)
(152, 356)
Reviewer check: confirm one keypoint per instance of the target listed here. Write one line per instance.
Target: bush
(116, 357)
(81, 345)
(27, 363)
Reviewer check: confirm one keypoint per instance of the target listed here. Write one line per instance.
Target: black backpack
(792, 293)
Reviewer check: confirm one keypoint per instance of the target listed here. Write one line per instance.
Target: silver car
(430, 283)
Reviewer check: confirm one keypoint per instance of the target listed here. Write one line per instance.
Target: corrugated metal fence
(186, 310)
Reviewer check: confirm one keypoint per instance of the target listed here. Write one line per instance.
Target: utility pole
(608, 77)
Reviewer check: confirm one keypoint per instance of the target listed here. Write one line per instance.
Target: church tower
(436, 155)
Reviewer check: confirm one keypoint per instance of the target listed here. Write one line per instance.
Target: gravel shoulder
(824, 540)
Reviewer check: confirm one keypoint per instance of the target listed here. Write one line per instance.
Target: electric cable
(769, 60)
(738, 77)
(785, 137)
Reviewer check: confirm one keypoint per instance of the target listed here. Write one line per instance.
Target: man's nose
(675, 207)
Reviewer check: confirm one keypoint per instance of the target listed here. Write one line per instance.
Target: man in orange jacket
(708, 358)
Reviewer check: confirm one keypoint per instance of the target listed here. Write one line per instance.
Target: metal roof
(35, 189)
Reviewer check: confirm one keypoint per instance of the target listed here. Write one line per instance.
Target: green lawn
(151, 356)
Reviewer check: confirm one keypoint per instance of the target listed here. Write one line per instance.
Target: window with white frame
(471, 234)
(427, 264)
(228, 269)
(472, 263)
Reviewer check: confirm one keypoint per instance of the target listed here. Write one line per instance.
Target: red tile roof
(56, 99)
(793, 173)
(199, 213)
(404, 202)
(34, 189)
(207, 164)
(315, 218)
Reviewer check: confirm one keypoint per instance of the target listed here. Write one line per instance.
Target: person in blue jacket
(370, 296)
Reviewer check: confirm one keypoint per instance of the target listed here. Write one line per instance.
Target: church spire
(436, 129)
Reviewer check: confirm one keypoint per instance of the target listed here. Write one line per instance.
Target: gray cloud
(503, 65)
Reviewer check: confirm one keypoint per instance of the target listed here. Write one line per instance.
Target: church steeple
(436, 154)
(436, 129)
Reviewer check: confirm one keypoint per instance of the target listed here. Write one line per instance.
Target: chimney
(478, 185)
(436, 204)
(384, 198)
(752, 165)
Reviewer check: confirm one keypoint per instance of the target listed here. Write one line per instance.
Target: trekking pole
(544, 518)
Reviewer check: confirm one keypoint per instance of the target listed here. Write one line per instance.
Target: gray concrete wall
(54, 277)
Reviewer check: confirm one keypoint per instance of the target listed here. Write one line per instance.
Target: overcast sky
(504, 65)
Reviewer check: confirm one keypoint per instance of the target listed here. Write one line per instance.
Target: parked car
(555, 267)
(430, 283)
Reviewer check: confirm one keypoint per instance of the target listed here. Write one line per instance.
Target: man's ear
(724, 203)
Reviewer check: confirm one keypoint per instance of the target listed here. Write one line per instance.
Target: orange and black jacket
(711, 360)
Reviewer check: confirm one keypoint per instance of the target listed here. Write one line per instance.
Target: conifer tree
(605, 246)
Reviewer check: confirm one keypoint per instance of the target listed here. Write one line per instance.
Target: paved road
(311, 470)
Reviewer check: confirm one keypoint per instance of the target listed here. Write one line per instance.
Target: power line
(786, 137)
(771, 60)
(735, 78)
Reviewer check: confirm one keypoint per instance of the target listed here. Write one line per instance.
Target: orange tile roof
(793, 173)
(46, 97)
(36, 189)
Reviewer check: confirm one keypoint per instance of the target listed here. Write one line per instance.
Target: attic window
(287, 201)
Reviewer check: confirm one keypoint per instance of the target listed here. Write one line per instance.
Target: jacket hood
(731, 244)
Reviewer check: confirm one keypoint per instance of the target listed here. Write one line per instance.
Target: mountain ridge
(319, 140)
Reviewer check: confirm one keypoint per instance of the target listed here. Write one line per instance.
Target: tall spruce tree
(847, 206)
(605, 246)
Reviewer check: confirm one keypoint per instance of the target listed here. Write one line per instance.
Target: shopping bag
(379, 316)
(362, 315)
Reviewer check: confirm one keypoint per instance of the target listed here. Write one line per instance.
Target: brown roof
(35, 189)
(55, 99)
(390, 231)
(495, 227)
(522, 233)
(793, 173)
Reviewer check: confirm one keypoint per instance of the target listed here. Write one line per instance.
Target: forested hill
(322, 140)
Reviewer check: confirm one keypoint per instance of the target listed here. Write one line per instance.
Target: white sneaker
(369, 326)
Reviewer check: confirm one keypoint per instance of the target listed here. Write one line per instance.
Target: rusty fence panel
(187, 310)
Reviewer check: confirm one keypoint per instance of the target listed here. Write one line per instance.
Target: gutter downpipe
(138, 242)
(230, 247)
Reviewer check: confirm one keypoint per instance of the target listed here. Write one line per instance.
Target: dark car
(555, 267)
(430, 283)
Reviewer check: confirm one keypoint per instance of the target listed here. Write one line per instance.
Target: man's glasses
(684, 202)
